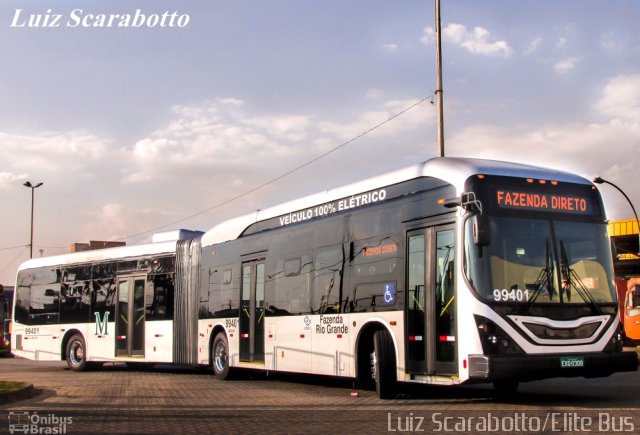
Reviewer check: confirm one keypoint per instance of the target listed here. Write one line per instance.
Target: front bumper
(534, 367)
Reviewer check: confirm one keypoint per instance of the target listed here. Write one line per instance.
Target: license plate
(570, 362)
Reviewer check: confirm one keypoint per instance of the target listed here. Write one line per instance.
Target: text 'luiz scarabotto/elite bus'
(82, 18)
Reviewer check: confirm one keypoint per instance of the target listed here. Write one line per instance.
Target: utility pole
(439, 82)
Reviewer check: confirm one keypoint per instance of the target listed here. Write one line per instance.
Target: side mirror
(481, 230)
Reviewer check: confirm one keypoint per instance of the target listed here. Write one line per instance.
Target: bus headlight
(616, 342)
(493, 338)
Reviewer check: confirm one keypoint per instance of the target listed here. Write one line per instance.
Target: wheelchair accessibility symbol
(389, 295)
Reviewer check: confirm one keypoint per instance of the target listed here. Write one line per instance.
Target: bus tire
(76, 353)
(384, 364)
(220, 356)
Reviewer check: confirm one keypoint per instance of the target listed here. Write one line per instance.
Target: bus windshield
(541, 261)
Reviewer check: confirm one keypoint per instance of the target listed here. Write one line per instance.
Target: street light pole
(33, 188)
(600, 180)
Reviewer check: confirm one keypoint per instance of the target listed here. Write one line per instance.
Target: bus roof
(101, 255)
(453, 170)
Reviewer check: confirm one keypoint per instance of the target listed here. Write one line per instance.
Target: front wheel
(383, 364)
(76, 353)
(220, 356)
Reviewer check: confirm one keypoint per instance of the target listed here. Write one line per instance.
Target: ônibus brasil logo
(28, 422)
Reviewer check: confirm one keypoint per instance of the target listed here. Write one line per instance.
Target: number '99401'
(513, 295)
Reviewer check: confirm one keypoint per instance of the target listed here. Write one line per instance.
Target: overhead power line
(280, 177)
(13, 247)
(14, 259)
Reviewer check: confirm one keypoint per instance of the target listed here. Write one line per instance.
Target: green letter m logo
(101, 325)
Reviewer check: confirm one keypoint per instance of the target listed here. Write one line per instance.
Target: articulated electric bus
(448, 272)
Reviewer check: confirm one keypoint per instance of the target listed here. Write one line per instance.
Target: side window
(375, 259)
(103, 291)
(291, 286)
(44, 302)
(76, 289)
(44, 306)
(22, 295)
(635, 297)
(159, 297)
(375, 272)
(222, 292)
(327, 273)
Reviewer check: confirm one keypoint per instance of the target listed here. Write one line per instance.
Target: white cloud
(390, 47)
(621, 98)
(113, 221)
(562, 42)
(428, 36)
(417, 117)
(569, 146)
(476, 41)
(611, 42)
(288, 127)
(210, 136)
(52, 152)
(231, 102)
(565, 65)
(533, 45)
(214, 134)
(10, 179)
(589, 149)
(374, 93)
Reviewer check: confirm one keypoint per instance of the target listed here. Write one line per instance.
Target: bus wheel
(505, 389)
(383, 364)
(76, 353)
(220, 356)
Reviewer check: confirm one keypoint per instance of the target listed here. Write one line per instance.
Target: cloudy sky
(134, 129)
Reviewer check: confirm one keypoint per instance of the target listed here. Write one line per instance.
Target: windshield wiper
(571, 279)
(543, 281)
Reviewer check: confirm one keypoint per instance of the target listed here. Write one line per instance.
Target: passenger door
(130, 312)
(252, 312)
(430, 318)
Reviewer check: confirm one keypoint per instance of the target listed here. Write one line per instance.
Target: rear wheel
(383, 364)
(220, 356)
(76, 353)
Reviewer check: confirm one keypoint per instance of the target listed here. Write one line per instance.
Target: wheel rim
(374, 366)
(77, 353)
(220, 356)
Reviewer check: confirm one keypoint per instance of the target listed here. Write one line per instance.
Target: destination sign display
(543, 201)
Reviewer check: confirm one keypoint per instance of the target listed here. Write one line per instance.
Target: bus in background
(631, 310)
(111, 304)
(6, 309)
(448, 272)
